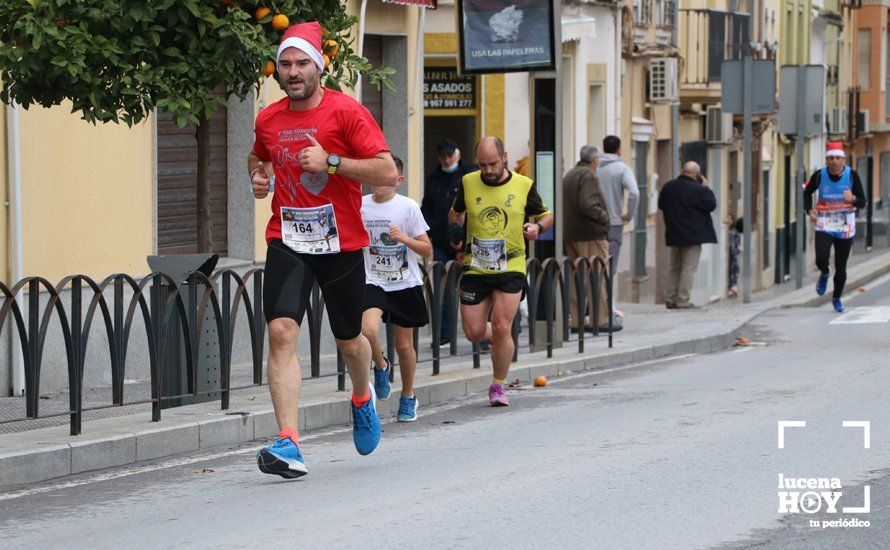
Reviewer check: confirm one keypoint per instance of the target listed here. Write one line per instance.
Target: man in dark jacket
(686, 204)
(438, 195)
(586, 225)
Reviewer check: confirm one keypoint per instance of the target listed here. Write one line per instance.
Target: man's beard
(495, 179)
(309, 88)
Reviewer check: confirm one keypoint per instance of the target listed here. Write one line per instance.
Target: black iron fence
(182, 309)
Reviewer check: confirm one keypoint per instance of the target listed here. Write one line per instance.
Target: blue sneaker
(822, 284)
(282, 458)
(366, 425)
(838, 306)
(407, 409)
(382, 385)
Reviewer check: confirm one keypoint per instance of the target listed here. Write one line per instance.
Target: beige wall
(270, 92)
(401, 20)
(86, 195)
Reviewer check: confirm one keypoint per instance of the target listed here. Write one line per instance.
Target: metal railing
(77, 300)
(707, 37)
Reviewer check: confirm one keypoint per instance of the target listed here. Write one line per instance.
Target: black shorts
(405, 308)
(288, 281)
(475, 288)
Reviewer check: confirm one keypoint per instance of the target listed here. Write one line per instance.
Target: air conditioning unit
(862, 124)
(718, 125)
(838, 120)
(663, 84)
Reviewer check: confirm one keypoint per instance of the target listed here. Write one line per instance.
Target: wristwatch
(540, 228)
(333, 163)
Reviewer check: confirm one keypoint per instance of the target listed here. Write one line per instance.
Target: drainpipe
(675, 107)
(361, 46)
(619, 60)
(13, 153)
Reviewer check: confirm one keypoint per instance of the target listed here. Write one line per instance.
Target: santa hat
(835, 149)
(305, 37)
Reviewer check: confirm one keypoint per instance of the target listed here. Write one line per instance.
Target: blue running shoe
(282, 458)
(366, 425)
(381, 381)
(822, 284)
(838, 306)
(407, 409)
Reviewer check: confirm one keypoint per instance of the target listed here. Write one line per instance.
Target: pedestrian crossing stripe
(864, 315)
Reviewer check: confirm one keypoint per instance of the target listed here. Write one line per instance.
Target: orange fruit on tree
(327, 60)
(261, 12)
(280, 22)
(269, 69)
(540, 381)
(331, 47)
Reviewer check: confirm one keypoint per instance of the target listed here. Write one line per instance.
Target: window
(664, 15)
(863, 58)
(643, 12)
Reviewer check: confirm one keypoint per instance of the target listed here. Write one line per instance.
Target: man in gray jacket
(586, 227)
(617, 179)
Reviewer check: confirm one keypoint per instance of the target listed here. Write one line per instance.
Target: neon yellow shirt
(495, 241)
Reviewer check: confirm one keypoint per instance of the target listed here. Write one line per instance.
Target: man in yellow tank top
(501, 209)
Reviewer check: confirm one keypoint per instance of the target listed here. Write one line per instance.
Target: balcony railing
(707, 37)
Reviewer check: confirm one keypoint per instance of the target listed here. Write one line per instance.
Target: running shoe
(497, 396)
(838, 306)
(822, 284)
(407, 409)
(366, 426)
(282, 458)
(381, 381)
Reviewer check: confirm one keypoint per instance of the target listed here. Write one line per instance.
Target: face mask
(450, 169)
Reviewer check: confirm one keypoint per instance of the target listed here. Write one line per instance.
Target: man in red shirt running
(318, 143)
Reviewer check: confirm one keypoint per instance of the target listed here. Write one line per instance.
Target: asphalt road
(680, 453)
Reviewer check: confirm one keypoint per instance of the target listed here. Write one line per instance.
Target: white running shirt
(388, 264)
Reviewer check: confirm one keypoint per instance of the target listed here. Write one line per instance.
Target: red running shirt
(341, 125)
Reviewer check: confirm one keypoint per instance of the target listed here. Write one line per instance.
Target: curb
(51, 453)
(858, 276)
(188, 429)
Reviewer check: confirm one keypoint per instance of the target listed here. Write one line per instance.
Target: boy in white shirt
(394, 289)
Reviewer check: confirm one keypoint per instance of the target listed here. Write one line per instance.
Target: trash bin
(174, 372)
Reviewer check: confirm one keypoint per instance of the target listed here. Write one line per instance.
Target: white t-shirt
(389, 264)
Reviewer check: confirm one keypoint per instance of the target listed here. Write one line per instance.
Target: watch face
(334, 160)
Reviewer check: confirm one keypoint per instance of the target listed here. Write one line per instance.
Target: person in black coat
(686, 204)
(439, 191)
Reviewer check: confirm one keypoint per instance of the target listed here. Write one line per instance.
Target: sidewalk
(651, 332)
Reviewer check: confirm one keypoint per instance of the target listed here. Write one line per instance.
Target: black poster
(496, 37)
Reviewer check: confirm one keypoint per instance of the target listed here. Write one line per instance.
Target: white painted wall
(596, 46)
(517, 120)
(440, 19)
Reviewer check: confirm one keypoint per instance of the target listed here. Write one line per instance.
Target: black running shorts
(288, 283)
(405, 308)
(476, 288)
